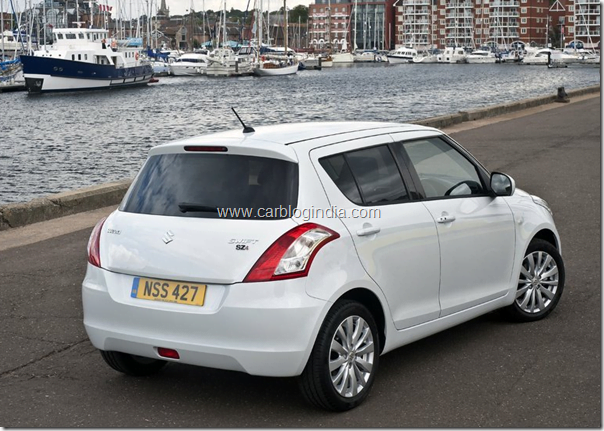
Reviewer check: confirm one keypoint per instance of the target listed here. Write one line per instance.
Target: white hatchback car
(310, 250)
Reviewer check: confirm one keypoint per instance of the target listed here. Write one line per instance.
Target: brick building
(438, 23)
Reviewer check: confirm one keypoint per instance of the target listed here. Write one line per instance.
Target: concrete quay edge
(443, 121)
(105, 195)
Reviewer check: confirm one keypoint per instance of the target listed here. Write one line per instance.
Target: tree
(300, 13)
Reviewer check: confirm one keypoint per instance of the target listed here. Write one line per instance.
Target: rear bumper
(263, 329)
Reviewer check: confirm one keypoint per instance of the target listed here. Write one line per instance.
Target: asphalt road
(484, 373)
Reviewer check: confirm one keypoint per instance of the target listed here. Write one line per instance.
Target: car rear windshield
(213, 186)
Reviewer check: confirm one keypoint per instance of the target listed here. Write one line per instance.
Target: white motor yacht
(402, 55)
(189, 64)
(481, 56)
(452, 55)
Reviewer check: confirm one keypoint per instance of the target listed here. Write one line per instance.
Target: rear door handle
(372, 230)
(446, 218)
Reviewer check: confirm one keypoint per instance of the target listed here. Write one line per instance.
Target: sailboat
(344, 56)
(276, 65)
(11, 69)
(224, 61)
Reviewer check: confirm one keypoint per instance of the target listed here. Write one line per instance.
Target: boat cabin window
(80, 35)
(60, 36)
(73, 56)
(70, 36)
(79, 56)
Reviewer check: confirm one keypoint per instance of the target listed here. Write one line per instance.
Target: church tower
(163, 12)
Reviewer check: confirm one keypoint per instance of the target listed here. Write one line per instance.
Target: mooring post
(562, 96)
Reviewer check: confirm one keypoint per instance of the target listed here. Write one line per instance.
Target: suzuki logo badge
(168, 237)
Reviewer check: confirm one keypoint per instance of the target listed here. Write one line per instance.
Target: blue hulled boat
(84, 59)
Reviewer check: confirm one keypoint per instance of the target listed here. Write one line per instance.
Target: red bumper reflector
(168, 353)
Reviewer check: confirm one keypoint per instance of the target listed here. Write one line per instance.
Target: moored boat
(276, 66)
(189, 64)
(481, 56)
(452, 55)
(82, 59)
(342, 58)
(402, 55)
(224, 62)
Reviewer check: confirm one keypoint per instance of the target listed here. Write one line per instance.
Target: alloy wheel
(538, 283)
(351, 356)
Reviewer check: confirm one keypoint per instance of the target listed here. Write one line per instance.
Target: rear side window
(367, 177)
(203, 185)
(338, 170)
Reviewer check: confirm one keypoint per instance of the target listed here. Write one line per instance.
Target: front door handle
(371, 230)
(445, 218)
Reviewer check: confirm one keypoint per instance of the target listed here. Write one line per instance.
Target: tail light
(94, 244)
(292, 254)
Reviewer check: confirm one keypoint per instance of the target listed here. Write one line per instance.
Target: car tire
(131, 364)
(344, 359)
(540, 283)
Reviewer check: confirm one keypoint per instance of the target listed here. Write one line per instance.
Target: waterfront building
(338, 24)
(415, 22)
(424, 24)
(578, 23)
(586, 23)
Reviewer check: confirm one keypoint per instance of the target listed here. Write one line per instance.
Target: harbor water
(56, 142)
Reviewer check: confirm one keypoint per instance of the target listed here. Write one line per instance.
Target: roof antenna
(246, 129)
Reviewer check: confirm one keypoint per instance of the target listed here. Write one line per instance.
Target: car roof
(280, 138)
(292, 133)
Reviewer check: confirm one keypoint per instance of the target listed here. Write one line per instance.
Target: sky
(177, 7)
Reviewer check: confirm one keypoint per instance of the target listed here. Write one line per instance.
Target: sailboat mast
(354, 46)
(259, 28)
(2, 25)
(44, 21)
(224, 31)
(329, 26)
(285, 34)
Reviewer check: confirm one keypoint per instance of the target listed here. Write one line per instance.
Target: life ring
(136, 56)
(263, 58)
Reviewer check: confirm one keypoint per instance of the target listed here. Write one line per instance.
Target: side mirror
(502, 184)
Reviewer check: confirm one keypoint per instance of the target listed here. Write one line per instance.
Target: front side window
(442, 170)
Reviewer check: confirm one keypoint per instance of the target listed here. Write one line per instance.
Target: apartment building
(440, 23)
(426, 24)
(338, 25)
(584, 22)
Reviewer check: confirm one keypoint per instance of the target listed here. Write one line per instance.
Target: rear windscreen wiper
(190, 207)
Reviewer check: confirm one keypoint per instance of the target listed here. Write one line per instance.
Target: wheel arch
(548, 236)
(374, 305)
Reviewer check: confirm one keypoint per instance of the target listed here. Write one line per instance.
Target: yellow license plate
(168, 291)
